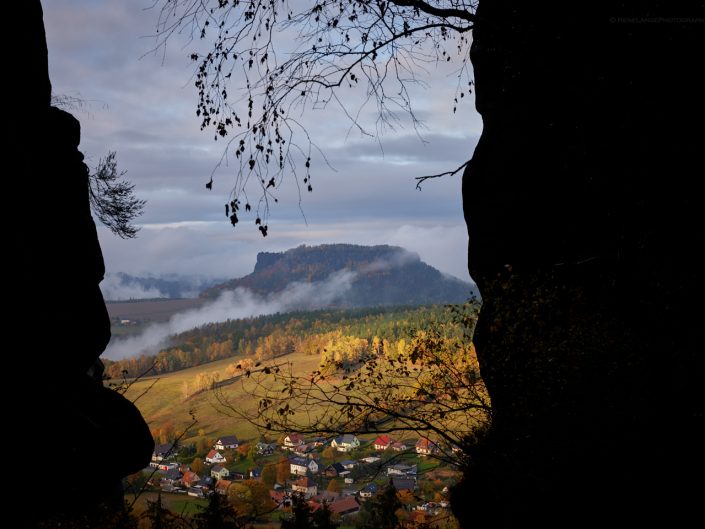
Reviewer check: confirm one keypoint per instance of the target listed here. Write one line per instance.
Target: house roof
(277, 496)
(304, 481)
(217, 468)
(347, 438)
(300, 461)
(228, 440)
(344, 505)
(402, 467)
(173, 473)
(403, 483)
(425, 444)
(223, 484)
(190, 477)
(212, 454)
(338, 467)
(370, 487)
(164, 449)
(383, 440)
(295, 437)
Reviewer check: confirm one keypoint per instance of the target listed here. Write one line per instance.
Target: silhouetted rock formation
(584, 232)
(61, 327)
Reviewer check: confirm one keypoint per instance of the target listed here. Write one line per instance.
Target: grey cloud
(240, 303)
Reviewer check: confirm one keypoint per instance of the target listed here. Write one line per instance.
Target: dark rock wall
(57, 323)
(585, 225)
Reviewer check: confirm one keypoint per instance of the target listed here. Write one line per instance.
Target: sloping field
(164, 399)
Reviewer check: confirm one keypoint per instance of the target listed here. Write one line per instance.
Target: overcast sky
(143, 107)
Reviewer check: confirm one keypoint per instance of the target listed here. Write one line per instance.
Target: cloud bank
(236, 304)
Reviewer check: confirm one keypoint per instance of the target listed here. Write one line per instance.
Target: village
(342, 472)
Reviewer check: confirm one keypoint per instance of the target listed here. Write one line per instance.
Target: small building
(219, 472)
(264, 449)
(172, 476)
(425, 447)
(190, 479)
(349, 464)
(293, 440)
(163, 451)
(345, 505)
(255, 473)
(302, 466)
(196, 492)
(334, 470)
(369, 490)
(382, 442)
(226, 442)
(306, 486)
(345, 443)
(404, 483)
(222, 486)
(398, 446)
(401, 469)
(215, 457)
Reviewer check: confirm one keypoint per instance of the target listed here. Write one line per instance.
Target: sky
(142, 105)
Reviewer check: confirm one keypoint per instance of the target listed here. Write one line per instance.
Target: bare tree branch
(421, 179)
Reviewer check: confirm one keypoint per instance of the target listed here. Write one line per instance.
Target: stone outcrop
(59, 322)
(585, 226)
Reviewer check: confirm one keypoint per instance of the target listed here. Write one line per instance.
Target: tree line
(271, 336)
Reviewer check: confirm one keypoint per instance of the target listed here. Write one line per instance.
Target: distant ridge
(381, 275)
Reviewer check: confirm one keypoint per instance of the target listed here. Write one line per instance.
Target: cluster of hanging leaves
(268, 61)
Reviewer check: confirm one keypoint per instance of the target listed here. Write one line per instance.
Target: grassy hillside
(162, 399)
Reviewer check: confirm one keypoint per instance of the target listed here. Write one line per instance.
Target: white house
(369, 490)
(215, 457)
(227, 441)
(345, 443)
(293, 440)
(425, 447)
(399, 446)
(402, 470)
(382, 442)
(305, 486)
(302, 466)
(349, 464)
(219, 472)
(163, 451)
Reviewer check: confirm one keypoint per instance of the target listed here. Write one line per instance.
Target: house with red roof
(293, 440)
(215, 457)
(222, 486)
(189, 479)
(382, 442)
(344, 505)
(425, 447)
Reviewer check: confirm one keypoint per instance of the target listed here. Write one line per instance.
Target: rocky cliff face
(584, 227)
(61, 407)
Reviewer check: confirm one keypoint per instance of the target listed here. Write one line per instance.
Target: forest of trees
(266, 337)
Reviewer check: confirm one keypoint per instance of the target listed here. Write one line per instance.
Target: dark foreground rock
(585, 226)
